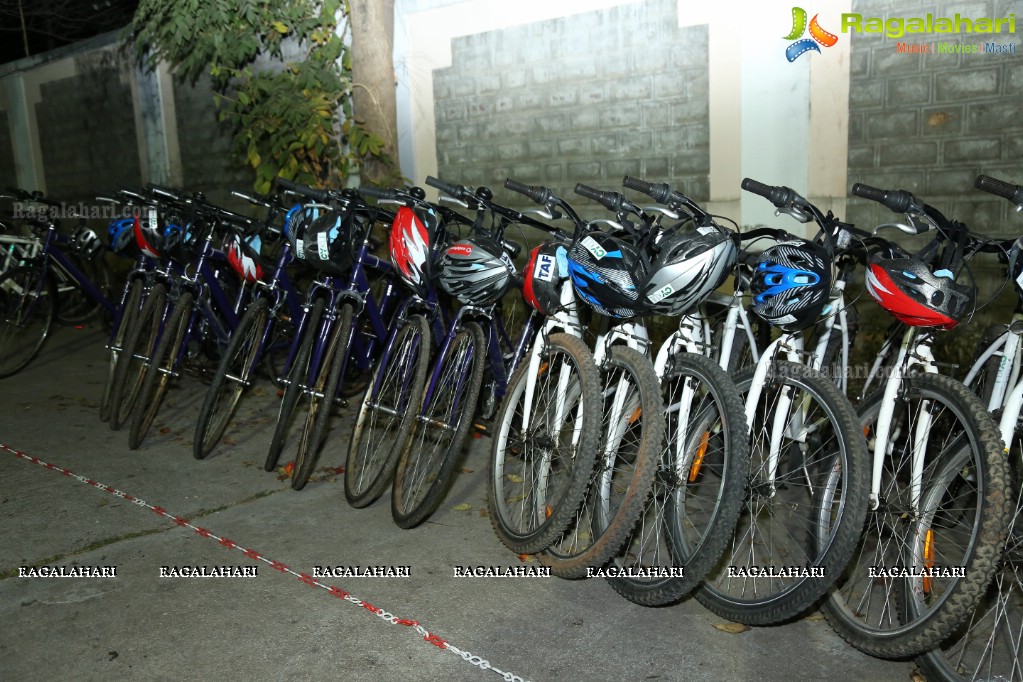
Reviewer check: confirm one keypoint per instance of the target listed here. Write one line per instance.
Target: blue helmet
(122, 236)
(791, 284)
(607, 273)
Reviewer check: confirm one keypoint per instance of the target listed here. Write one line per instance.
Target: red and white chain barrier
(387, 616)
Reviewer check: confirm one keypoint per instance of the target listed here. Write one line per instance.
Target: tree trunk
(373, 88)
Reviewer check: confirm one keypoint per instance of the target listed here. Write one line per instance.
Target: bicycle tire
(623, 474)
(425, 470)
(139, 345)
(296, 380)
(321, 398)
(914, 629)
(159, 373)
(236, 367)
(978, 650)
(826, 473)
(373, 448)
(131, 308)
(537, 474)
(17, 313)
(699, 488)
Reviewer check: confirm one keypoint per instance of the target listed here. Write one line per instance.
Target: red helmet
(907, 289)
(245, 264)
(411, 246)
(542, 277)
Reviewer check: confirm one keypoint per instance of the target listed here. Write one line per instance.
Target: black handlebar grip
(660, 192)
(512, 247)
(610, 200)
(780, 196)
(165, 191)
(447, 188)
(897, 200)
(751, 185)
(251, 198)
(377, 192)
(539, 194)
(319, 195)
(999, 188)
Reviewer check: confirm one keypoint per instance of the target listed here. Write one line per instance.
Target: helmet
(296, 222)
(86, 242)
(243, 254)
(149, 232)
(329, 241)
(607, 273)
(791, 284)
(546, 268)
(1016, 265)
(122, 232)
(411, 241)
(908, 289)
(688, 267)
(178, 238)
(476, 271)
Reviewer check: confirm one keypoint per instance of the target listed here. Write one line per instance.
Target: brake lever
(662, 210)
(452, 200)
(795, 212)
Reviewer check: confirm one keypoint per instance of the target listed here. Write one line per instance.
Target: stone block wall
(587, 98)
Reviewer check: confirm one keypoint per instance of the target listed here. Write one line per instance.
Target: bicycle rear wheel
(233, 376)
(627, 454)
(796, 533)
(130, 313)
(698, 490)
(427, 465)
(28, 302)
(959, 523)
(321, 398)
(139, 343)
(161, 370)
(387, 413)
(539, 470)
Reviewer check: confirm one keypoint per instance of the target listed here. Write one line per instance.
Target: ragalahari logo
(817, 35)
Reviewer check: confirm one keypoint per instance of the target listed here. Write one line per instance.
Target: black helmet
(688, 267)
(545, 270)
(608, 274)
(329, 242)
(792, 284)
(476, 271)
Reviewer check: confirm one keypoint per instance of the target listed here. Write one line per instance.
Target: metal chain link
(305, 578)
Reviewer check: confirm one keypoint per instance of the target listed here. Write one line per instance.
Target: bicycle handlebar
(1000, 188)
(898, 200)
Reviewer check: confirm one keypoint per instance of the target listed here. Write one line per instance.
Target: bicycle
(938, 490)
(987, 644)
(805, 499)
(28, 291)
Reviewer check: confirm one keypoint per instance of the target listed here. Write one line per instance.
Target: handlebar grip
(539, 194)
(999, 188)
(164, 191)
(780, 196)
(897, 200)
(377, 192)
(512, 247)
(660, 192)
(454, 190)
(610, 200)
(318, 195)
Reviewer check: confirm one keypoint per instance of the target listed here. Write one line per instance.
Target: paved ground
(144, 627)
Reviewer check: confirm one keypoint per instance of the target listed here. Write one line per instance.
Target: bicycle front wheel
(234, 375)
(805, 500)
(139, 343)
(321, 398)
(955, 526)
(130, 312)
(28, 302)
(627, 454)
(161, 370)
(386, 413)
(698, 490)
(539, 469)
(427, 464)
